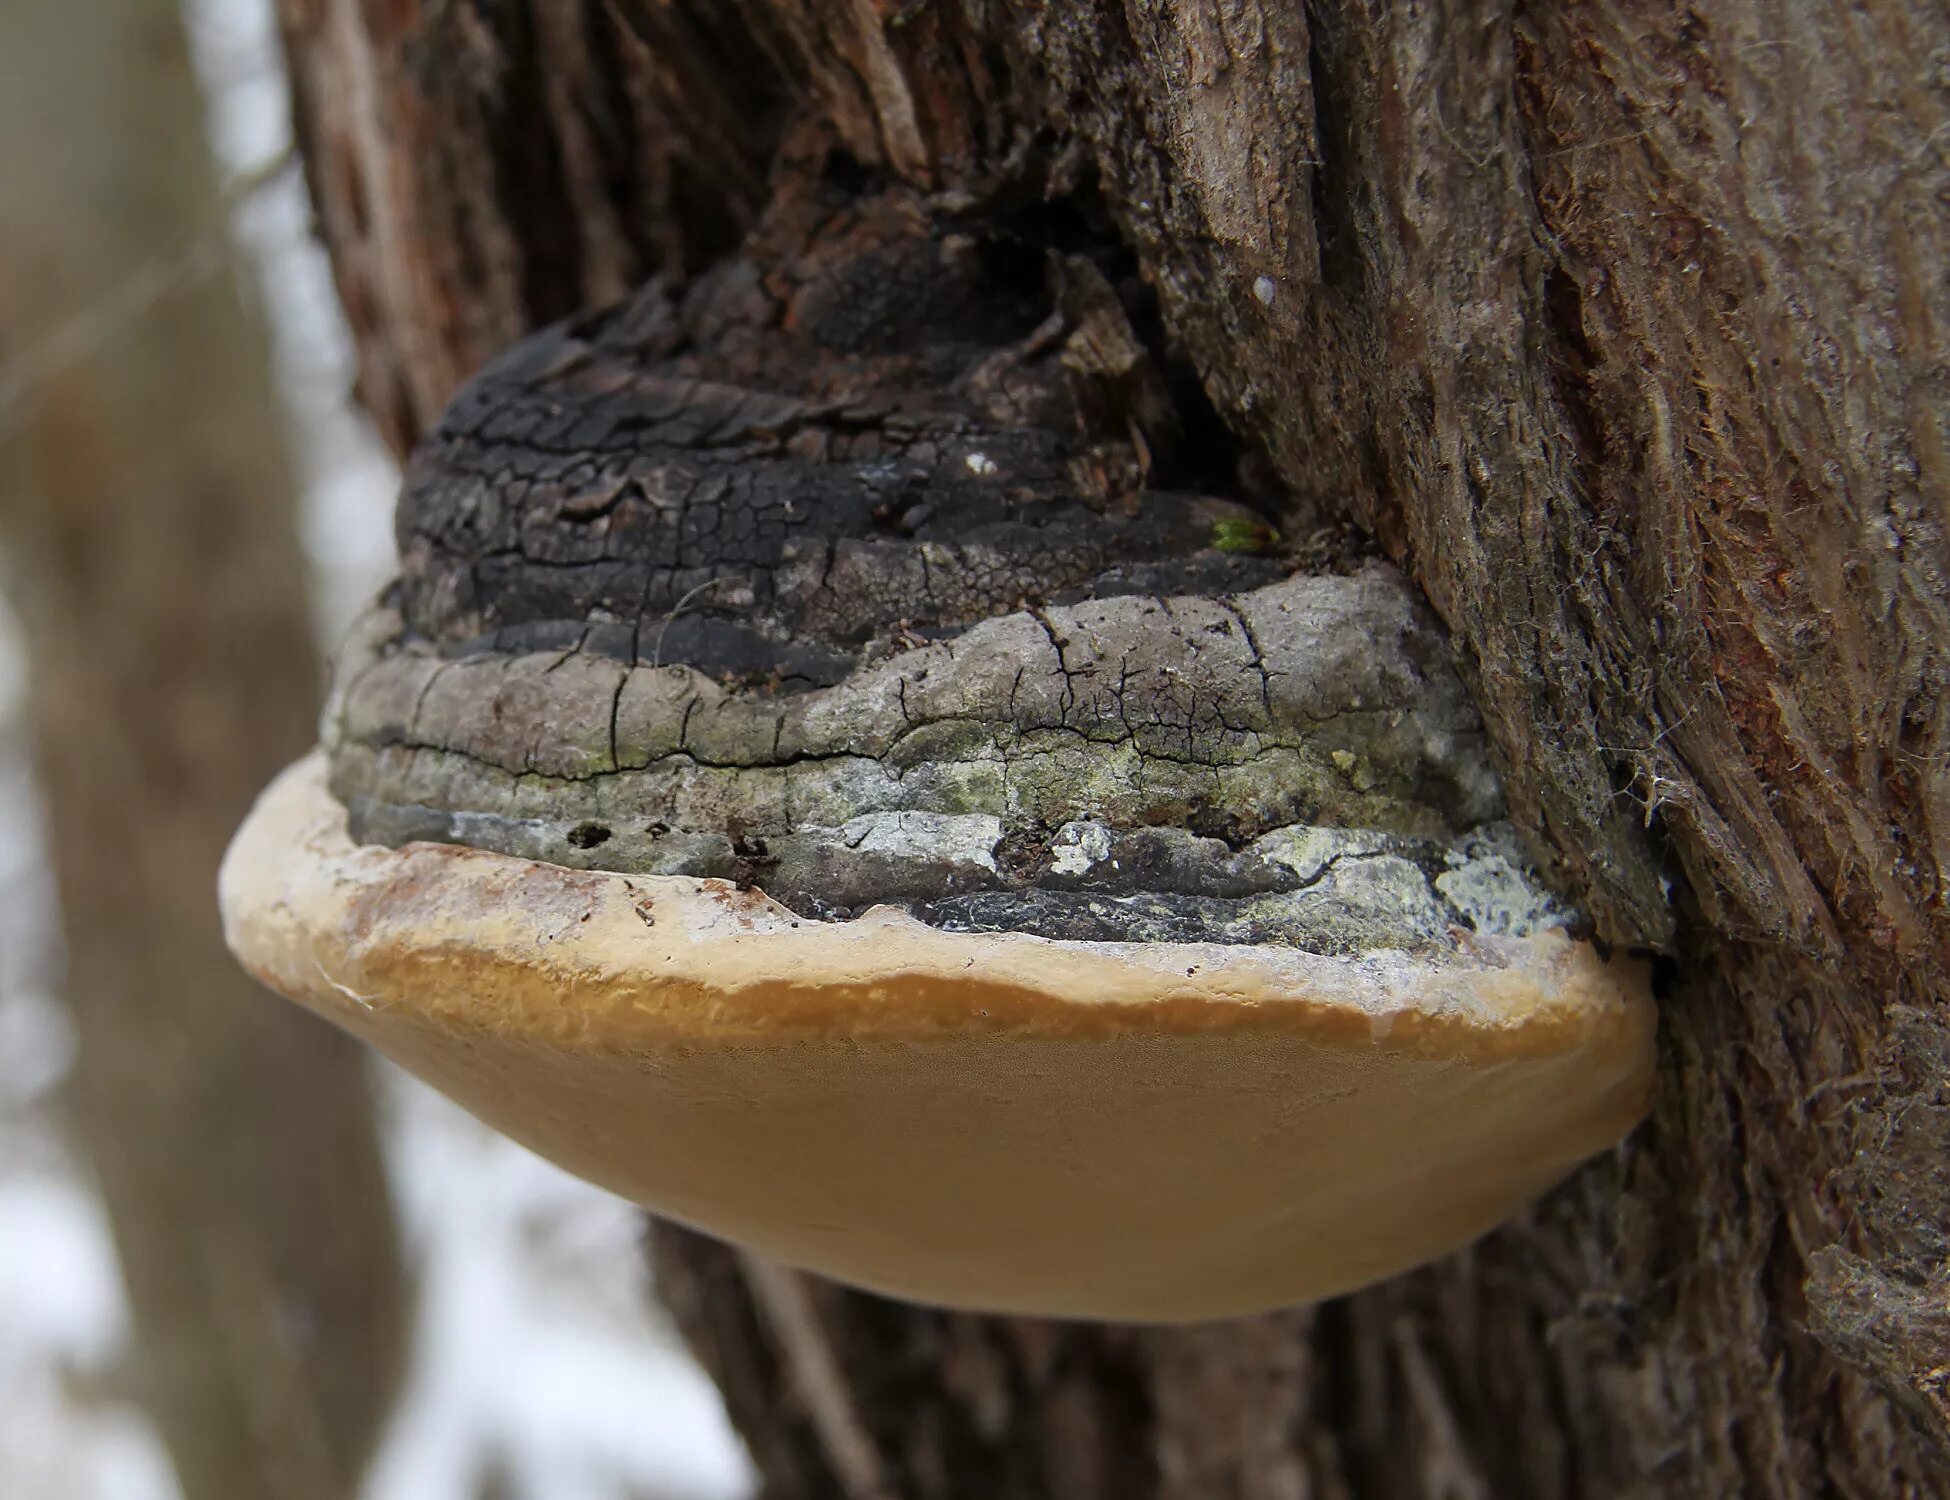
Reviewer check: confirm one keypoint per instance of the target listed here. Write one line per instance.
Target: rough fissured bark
(1620, 325)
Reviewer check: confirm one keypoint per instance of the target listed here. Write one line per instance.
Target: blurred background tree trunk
(147, 520)
(1619, 325)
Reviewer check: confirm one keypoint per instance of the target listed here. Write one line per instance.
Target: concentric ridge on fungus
(854, 614)
(991, 781)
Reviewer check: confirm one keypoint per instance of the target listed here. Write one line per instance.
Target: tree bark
(1618, 325)
(147, 516)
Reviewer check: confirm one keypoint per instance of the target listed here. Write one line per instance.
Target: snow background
(538, 1354)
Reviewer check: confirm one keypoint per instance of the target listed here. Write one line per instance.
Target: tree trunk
(148, 519)
(1620, 326)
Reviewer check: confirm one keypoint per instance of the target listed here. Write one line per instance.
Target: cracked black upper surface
(762, 475)
(844, 572)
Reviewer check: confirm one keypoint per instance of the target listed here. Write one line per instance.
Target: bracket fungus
(829, 772)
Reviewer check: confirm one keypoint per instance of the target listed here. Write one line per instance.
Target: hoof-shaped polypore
(844, 765)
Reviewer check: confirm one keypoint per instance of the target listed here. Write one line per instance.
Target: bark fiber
(1621, 327)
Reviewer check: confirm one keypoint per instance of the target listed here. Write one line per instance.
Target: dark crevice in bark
(1331, 183)
(701, 195)
(1192, 446)
(526, 153)
(1570, 362)
(607, 109)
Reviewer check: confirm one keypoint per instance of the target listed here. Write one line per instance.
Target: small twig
(1479, 161)
(364, 1002)
(816, 1377)
(158, 278)
(1448, 1468)
(1610, 140)
(657, 654)
(1926, 146)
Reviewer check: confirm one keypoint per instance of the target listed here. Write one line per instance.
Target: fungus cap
(996, 1121)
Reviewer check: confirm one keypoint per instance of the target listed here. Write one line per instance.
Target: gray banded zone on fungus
(1297, 764)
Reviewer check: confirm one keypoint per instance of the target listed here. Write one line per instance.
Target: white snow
(537, 1346)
